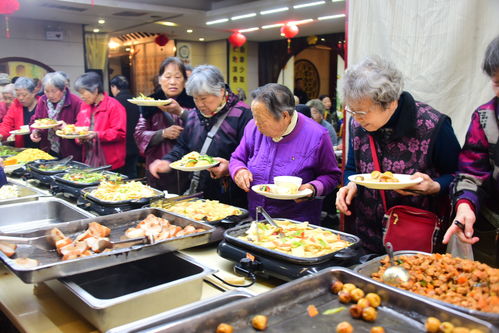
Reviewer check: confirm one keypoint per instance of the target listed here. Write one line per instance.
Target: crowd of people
(277, 135)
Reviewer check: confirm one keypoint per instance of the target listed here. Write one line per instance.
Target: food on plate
(9, 192)
(265, 188)
(72, 129)
(28, 155)
(300, 239)
(260, 322)
(312, 310)
(194, 159)
(377, 329)
(344, 327)
(109, 191)
(224, 328)
(26, 262)
(287, 184)
(199, 210)
(369, 314)
(7, 248)
(45, 122)
(7, 150)
(461, 282)
(159, 229)
(83, 177)
(143, 97)
(376, 176)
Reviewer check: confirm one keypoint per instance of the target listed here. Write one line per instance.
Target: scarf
(53, 113)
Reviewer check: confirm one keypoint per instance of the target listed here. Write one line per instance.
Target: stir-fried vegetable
(91, 177)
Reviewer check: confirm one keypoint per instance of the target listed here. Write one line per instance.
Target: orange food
(10, 161)
(312, 311)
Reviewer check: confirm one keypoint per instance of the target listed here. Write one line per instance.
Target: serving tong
(260, 210)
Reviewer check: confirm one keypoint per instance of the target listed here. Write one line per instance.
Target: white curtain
(438, 44)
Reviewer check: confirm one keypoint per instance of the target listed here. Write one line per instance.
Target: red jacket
(110, 125)
(13, 120)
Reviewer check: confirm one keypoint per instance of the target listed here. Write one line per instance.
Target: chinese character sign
(238, 68)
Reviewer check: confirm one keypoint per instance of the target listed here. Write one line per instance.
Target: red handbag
(406, 227)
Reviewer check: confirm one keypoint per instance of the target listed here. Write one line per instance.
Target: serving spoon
(260, 210)
(394, 274)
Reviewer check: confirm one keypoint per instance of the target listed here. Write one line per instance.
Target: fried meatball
(369, 314)
(344, 296)
(344, 327)
(224, 328)
(377, 329)
(432, 325)
(336, 286)
(349, 287)
(259, 322)
(374, 299)
(363, 303)
(446, 327)
(356, 311)
(356, 294)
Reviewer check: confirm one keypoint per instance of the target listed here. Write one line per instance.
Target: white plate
(150, 102)
(271, 195)
(404, 182)
(175, 166)
(46, 126)
(72, 136)
(20, 132)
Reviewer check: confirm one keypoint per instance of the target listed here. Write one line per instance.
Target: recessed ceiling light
(101, 21)
(238, 17)
(217, 21)
(189, 31)
(330, 17)
(309, 4)
(272, 26)
(249, 29)
(301, 21)
(201, 39)
(276, 10)
(167, 23)
(323, 39)
(96, 30)
(337, 0)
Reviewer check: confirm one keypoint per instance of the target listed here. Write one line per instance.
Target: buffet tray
(59, 178)
(25, 194)
(286, 308)
(231, 236)
(52, 266)
(33, 167)
(131, 291)
(142, 201)
(16, 151)
(157, 323)
(373, 265)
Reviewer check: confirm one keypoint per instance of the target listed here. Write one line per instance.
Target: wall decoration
(238, 68)
(184, 52)
(237, 39)
(289, 31)
(16, 66)
(306, 70)
(8, 7)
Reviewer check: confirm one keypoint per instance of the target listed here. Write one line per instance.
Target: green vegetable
(399, 261)
(296, 244)
(423, 283)
(333, 311)
(322, 242)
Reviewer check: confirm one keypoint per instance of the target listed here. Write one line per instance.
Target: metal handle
(260, 210)
(389, 250)
(12, 239)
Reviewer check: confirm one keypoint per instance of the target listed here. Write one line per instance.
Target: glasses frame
(358, 114)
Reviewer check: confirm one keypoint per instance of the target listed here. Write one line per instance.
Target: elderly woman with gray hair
(282, 142)
(220, 113)
(60, 104)
(409, 137)
(317, 112)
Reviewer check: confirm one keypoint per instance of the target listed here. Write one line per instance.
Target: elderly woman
(20, 112)
(106, 117)
(317, 112)
(8, 95)
(216, 107)
(60, 104)
(410, 138)
(476, 188)
(282, 142)
(159, 127)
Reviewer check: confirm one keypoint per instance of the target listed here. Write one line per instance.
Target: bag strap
(377, 168)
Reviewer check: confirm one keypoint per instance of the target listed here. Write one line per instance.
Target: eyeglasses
(358, 114)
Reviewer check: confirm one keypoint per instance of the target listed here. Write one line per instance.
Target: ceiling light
(167, 23)
(276, 10)
(127, 49)
(249, 29)
(301, 21)
(309, 4)
(101, 21)
(217, 21)
(96, 30)
(113, 45)
(337, 0)
(330, 17)
(272, 26)
(242, 16)
(201, 39)
(189, 31)
(323, 39)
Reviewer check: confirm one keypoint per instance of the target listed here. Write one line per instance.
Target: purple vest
(406, 155)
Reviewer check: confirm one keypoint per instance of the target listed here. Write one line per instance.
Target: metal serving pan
(231, 236)
(142, 201)
(60, 178)
(51, 266)
(23, 216)
(14, 150)
(157, 323)
(24, 194)
(286, 308)
(373, 265)
(131, 291)
(34, 166)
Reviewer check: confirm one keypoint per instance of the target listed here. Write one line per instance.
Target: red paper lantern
(9, 7)
(237, 39)
(289, 30)
(161, 40)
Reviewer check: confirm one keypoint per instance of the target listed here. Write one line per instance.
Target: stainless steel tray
(142, 201)
(131, 291)
(59, 178)
(157, 323)
(25, 194)
(373, 265)
(34, 167)
(22, 216)
(232, 235)
(51, 266)
(15, 149)
(286, 308)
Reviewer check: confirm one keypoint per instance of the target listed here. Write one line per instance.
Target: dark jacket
(132, 117)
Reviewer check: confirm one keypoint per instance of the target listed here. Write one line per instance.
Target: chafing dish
(34, 167)
(60, 178)
(86, 193)
(24, 194)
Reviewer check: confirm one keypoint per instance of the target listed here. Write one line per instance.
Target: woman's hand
(243, 179)
(465, 215)
(427, 187)
(89, 137)
(61, 126)
(303, 187)
(35, 136)
(159, 166)
(221, 170)
(344, 197)
(173, 108)
(172, 132)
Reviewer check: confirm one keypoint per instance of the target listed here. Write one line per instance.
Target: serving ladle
(260, 210)
(394, 274)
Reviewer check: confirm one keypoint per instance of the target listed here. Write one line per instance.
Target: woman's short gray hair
(55, 79)
(316, 104)
(205, 80)
(276, 97)
(9, 89)
(89, 81)
(374, 78)
(25, 83)
(491, 60)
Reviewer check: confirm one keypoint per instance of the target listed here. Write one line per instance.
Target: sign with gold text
(238, 68)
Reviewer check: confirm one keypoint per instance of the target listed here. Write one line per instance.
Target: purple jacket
(68, 114)
(307, 153)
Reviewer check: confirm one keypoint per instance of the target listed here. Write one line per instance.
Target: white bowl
(287, 184)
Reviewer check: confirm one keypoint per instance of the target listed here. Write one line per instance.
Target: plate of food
(143, 100)
(72, 131)
(384, 181)
(194, 162)
(273, 191)
(24, 130)
(46, 123)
